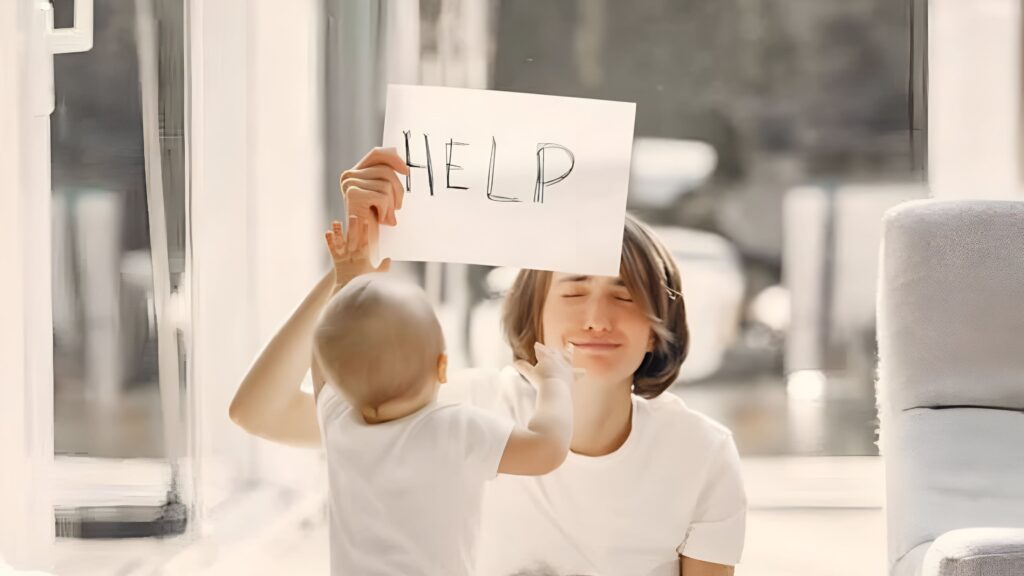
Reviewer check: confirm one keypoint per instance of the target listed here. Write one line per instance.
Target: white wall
(219, 164)
(257, 214)
(287, 219)
(974, 106)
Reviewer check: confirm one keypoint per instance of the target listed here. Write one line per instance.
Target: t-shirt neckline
(625, 448)
(582, 460)
(357, 417)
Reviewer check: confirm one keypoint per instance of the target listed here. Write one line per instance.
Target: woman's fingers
(382, 163)
(369, 204)
(375, 184)
(384, 266)
(396, 184)
(372, 233)
(380, 185)
(384, 208)
(385, 173)
(356, 235)
(379, 167)
(388, 156)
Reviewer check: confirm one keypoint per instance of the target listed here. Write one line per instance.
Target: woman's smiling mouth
(595, 346)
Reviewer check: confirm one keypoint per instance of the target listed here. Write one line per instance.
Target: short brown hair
(652, 277)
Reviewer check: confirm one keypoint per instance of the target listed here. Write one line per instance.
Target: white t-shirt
(405, 495)
(673, 488)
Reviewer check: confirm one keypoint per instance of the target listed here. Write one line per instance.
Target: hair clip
(672, 293)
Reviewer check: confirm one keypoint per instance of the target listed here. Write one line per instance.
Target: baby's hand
(551, 365)
(351, 253)
(544, 444)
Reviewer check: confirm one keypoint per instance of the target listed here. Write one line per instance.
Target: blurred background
(196, 151)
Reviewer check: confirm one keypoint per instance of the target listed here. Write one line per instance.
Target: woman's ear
(442, 368)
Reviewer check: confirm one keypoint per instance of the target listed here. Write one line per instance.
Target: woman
(650, 487)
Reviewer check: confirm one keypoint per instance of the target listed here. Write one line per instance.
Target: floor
(819, 516)
(780, 542)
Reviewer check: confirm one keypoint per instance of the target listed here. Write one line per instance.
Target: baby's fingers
(335, 240)
(329, 239)
(559, 356)
(541, 350)
(568, 352)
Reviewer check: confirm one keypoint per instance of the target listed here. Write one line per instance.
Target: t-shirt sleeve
(483, 437)
(719, 522)
(330, 404)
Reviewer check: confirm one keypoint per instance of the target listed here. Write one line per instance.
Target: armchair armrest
(976, 552)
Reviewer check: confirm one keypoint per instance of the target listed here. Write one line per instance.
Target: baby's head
(380, 342)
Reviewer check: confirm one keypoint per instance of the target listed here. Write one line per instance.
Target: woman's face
(609, 329)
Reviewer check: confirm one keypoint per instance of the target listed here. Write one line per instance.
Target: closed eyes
(619, 298)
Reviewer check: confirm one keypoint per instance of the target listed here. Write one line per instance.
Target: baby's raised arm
(543, 445)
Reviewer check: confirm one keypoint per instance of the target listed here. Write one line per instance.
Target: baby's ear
(442, 368)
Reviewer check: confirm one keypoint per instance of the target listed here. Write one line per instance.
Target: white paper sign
(509, 179)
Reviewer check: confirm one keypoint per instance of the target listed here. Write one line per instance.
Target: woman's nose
(597, 317)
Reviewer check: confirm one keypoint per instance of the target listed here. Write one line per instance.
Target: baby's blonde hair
(378, 340)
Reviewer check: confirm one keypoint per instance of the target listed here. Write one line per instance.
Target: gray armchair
(951, 387)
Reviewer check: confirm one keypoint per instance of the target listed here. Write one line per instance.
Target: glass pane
(118, 159)
(789, 126)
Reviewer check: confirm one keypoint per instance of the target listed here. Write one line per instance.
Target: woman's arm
(693, 567)
(269, 403)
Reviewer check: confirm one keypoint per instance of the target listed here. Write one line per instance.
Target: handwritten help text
(542, 181)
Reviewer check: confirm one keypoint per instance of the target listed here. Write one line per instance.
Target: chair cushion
(951, 468)
(951, 304)
(976, 552)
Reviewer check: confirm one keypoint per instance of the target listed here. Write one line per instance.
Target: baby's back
(405, 495)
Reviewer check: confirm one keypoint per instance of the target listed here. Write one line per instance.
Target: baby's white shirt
(405, 495)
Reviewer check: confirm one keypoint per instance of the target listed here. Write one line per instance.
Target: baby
(407, 473)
